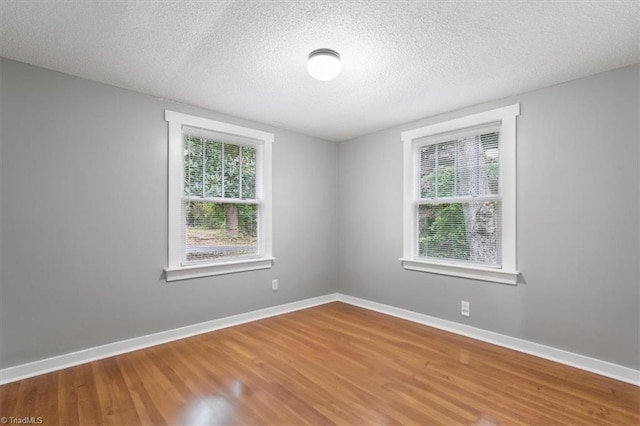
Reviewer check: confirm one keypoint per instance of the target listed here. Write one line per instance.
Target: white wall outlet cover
(465, 308)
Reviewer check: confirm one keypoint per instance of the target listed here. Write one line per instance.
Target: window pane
(202, 167)
(446, 170)
(231, 171)
(467, 167)
(216, 169)
(460, 231)
(248, 172)
(427, 171)
(212, 179)
(193, 167)
(219, 230)
(491, 160)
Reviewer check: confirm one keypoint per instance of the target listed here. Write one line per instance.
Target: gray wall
(84, 219)
(83, 179)
(578, 215)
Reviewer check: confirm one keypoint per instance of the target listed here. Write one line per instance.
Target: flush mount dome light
(324, 64)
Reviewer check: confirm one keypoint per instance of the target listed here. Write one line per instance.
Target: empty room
(319, 212)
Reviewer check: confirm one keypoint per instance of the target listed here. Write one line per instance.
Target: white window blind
(459, 200)
(220, 208)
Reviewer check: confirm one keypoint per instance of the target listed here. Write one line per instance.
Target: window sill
(230, 267)
(463, 271)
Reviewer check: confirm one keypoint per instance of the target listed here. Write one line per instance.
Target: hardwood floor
(334, 363)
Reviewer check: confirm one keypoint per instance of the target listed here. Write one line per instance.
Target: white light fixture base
(324, 64)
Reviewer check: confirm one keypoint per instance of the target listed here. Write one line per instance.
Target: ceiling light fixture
(324, 64)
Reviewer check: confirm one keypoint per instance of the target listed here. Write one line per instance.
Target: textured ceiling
(402, 60)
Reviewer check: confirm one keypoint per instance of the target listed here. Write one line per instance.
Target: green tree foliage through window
(443, 232)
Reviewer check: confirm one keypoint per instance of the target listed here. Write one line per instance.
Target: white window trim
(508, 273)
(264, 260)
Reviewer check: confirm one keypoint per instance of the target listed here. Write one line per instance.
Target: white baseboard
(582, 362)
(603, 368)
(36, 368)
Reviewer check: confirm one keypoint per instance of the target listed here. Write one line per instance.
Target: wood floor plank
(68, 405)
(147, 409)
(115, 398)
(331, 364)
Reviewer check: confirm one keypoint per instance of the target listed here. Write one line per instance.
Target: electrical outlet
(274, 285)
(465, 308)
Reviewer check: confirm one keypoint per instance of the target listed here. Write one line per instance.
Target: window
(460, 197)
(219, 198)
